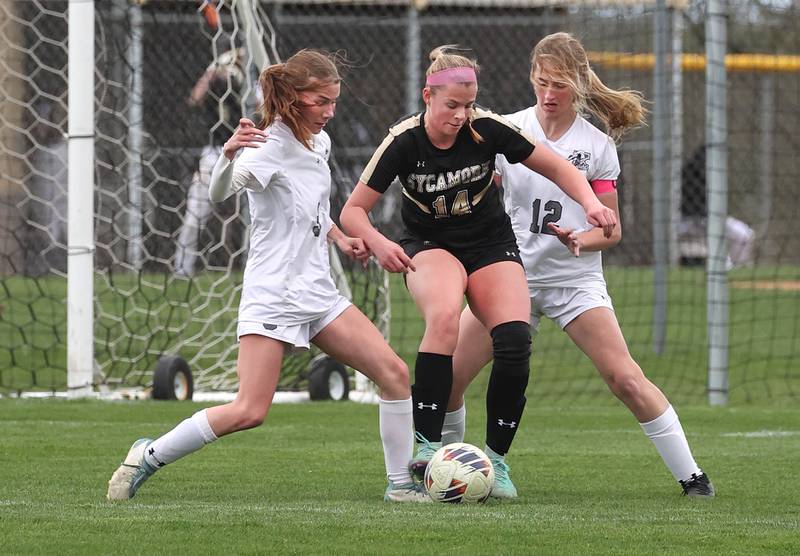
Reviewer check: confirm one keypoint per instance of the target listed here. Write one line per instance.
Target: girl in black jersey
(459, 241)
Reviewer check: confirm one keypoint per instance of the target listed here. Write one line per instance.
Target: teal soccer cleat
(409, 492)
(129, 476)
(503, 487)
(425, 452)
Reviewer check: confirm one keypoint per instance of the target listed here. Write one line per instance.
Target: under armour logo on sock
(510, 425)
(152, 452)
(432, 406)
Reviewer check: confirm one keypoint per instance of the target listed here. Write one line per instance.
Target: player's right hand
(246, 135)
(601, 216)
(354, 248)
(391, 257)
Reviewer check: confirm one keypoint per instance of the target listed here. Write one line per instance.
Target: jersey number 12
(552, 214)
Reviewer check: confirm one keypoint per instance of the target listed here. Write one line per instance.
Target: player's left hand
(354, 248)
(597, 214)
(568, 237)
(246, 135)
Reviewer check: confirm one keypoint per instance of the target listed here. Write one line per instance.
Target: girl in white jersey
(567, 285)
(288, 296)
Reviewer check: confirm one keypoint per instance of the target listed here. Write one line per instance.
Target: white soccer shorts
(563, 305)
(297, 335)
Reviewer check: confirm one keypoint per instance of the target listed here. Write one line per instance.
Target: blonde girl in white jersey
(566, 284)
(288, 296)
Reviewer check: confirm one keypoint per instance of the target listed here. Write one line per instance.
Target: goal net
(172, 79)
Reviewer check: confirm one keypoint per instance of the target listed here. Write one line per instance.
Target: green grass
(311, 480)
(139, 317)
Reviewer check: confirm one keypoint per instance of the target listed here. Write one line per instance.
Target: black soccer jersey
(448, 194)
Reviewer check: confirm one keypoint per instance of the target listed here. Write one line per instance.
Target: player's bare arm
(594, 239)
(353, 247)
(544, 161)
(355, 221)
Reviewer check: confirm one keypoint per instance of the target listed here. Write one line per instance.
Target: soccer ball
(459, 473)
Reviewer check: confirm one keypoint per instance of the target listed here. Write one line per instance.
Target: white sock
(189, 436)
(397, 425)
(492, 454)
(454, 425)
(667, 434)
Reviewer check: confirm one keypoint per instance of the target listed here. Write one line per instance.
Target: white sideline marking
(368, 397)
(762, 434)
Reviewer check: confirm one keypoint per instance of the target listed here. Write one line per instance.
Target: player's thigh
(597, 333)
(438, 284)
(352, 339)
(259, 367)
(498, 293)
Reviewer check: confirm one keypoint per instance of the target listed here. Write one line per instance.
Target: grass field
(310, 481)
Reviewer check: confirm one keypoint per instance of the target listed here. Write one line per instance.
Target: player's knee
(443, 325)
(511, 346)
(397, 372)
(626, 387)
(392, 378)
(249, 417)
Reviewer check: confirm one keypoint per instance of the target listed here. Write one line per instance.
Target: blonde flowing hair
(442, 58)
(619, 110)
(308, 70)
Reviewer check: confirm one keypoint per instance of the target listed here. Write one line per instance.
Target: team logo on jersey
(580, 159)
(442, 181)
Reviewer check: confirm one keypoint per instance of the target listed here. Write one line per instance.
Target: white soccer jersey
(532, 201)
(287, 279)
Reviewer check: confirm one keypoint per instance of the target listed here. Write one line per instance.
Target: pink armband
(603, 186)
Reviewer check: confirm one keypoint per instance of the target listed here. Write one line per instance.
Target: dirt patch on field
(783, 285)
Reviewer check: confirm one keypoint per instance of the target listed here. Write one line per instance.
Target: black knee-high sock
(505, 398)
(433, 379)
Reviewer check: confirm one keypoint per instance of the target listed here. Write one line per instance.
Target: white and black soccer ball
(459, 473)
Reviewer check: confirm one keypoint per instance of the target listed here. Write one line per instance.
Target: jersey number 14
(460, 206)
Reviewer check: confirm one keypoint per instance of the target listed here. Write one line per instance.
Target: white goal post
(80, 161)
(85, 377)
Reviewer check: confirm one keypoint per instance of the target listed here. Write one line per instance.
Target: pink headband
(451, 75)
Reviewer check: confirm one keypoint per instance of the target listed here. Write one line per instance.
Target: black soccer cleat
(698, 486)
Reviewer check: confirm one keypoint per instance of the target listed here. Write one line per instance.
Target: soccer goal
(134, 288)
